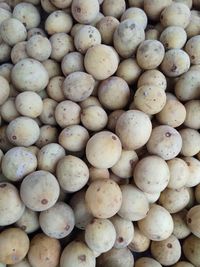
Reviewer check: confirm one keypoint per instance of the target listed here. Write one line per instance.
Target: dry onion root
(99, 133)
